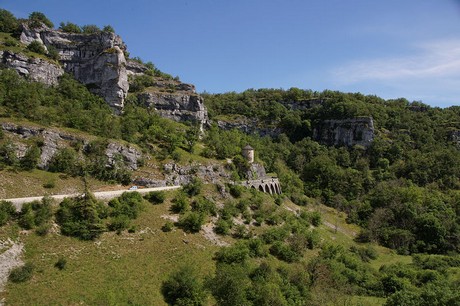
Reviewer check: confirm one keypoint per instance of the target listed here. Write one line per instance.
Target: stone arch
(273, 189)
(267, 189)
(278, 189)
(253, 187)
(261, 188)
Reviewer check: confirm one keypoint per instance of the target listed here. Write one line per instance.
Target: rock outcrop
(97, 60)
(35, 69)
(180, 105)
(249, 126)
(53, 140)
(345, 132)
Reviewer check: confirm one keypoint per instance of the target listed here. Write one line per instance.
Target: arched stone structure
(269, 185)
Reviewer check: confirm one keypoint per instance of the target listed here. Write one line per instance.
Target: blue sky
(391, 48)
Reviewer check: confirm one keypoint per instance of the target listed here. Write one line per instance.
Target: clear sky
(390, 48)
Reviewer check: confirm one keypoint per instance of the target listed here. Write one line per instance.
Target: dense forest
(403, 190)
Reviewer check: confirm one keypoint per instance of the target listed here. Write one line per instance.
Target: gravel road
(17, 202)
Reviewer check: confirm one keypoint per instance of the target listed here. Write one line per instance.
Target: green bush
(119, 223)
(168, 226)
(37, 17)
(222, 227)
(283, 252)
(193, 188)
(155, 197)
(191, 222)
(79, 217)
(8, 23)
(129, 204)
(237, 253)
(7, 212)
(21, 274)
(180, 203)
(61, 263)
(205, 206)
(37, 47)
(236, 190)
(184, 287)
(69, 27)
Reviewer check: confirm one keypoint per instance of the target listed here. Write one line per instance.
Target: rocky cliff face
(35, 69)
(345, 132)
(97, 60)
(178, 106)
(53, 140)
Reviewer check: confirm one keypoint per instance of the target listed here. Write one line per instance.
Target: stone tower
(248, 153)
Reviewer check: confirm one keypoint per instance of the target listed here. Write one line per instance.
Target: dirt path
(9, 260)
(17, 202)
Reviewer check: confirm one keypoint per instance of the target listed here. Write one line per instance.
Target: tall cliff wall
(97, 60)
(345, 132)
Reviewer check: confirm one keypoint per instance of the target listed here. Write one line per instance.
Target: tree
(184, 287)
(109, 29)
(8, 23)
(31, 158)
(90, 29)
(37, 47)
(37, 17)
(69, 27)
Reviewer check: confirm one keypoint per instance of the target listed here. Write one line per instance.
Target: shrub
(7, 211)
(119, 223)
(78, 217)
(180, 204)
(129, 204)
(8, 23)
(222, 227)
(184, 287)
(205, 206)
(38, 17)
(21, 274)
(50, 184)
(193, 188)
(236, 190)
(61, 263)
(155, 197)
(283, 252)
(69, 27)
(191, 222)
(237, 253)
(168, 226)
(37, 47)
(90, 29)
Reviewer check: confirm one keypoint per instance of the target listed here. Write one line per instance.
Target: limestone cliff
(97, 60)
(35, 69)
(53, 140)
(345, 132)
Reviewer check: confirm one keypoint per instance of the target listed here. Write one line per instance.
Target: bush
(8, 23)
(168, 226)
(129, 204)
(61, 263)
(222, 227)
(7, 212)
(237, 253)
(184, 287)
(37, 47)
(69, 27)
(191, 222)
(236, 190)
(180, 204)
(283, 252)
(38, 17)
(21, 274)
(205, 206)
(119, 223)
(193, 188)
(155, 197)
(79, 217)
